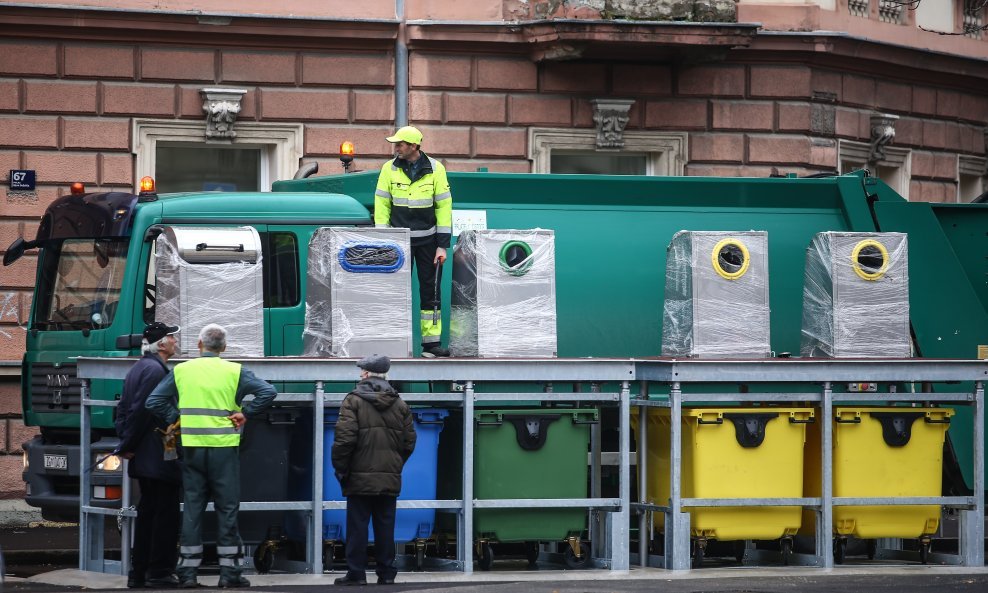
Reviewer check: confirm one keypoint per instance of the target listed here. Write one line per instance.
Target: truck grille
(55, 389)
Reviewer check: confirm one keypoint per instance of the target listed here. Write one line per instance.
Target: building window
(972, 179)
(178, 155)
(974, 18)
(575, 151)
(894, 169)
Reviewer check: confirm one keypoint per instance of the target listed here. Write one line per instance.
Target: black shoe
(166, 582)
(435, 351)
(233, 583)
(135, 582)
(384, 581)
(346, 581)
(188, 583)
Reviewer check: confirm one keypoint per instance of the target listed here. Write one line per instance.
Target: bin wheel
(872, 548)
(924, 550)
(264, 558)
(786, 551)
(486, 557)
(419, 555)
(532, 553)
(570, 556)
(699, 546)
(739, 548)
(442, 545)
(840, 550)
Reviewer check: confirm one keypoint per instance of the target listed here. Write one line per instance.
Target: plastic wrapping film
(716, 295)
(856, 296)
(504, 294)
(211, 275)
(359, 293)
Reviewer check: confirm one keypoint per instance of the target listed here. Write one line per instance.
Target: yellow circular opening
(870, 259)
(730, 258)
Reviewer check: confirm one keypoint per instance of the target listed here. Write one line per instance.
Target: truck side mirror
(129, 341)
(16, 250)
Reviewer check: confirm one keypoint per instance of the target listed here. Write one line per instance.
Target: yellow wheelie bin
(731, 453)
(882, 451)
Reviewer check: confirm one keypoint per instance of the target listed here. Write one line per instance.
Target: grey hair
(152, 347)
(213, 337)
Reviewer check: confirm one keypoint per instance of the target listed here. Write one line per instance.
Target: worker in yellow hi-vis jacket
(413, 193)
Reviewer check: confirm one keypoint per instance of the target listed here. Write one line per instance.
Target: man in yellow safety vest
(210, 393)
(413, 193)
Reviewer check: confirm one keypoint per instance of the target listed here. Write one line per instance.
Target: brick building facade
(746, 88)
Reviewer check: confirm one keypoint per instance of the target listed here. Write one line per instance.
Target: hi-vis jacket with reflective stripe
(423, 205)
(207, 394)
(207, 381)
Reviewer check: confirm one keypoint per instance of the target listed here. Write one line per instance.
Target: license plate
(56, 462)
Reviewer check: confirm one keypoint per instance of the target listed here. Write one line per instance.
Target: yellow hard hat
(408, 134)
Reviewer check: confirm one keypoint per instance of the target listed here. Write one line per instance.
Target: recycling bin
(856, 296)
(358, 293)
(504, 294)
(716, 295)
(211, 275)
(418, 480)
(881, 452)
(731, 453)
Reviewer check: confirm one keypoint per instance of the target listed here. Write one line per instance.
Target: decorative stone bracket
(611, 116)
(222, 107)
(882, 134)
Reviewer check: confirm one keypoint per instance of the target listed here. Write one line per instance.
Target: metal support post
(126, 522)
(972, 522)
(464, 540)
(314, 537)
(642, 465)
(621, 520)
(90, 527)
(825, 515)
(599, 547)
(677, 550)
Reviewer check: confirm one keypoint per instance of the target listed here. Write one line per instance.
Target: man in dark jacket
(374, 438)
(156, 528)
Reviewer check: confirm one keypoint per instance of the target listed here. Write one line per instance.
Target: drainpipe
(401, 68)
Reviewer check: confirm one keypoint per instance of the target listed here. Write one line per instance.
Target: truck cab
(96, 289)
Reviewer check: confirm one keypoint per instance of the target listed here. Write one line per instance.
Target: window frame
(665, 151)
(896, 158)
(281, 145)
(974, 170)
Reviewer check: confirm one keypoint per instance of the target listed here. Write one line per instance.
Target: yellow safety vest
(207, 394)
(425, 207)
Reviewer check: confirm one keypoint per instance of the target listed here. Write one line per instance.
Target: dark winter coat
(374, 438)
(136, 425)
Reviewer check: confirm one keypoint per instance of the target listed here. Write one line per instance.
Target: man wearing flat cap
(160, 480)
(374, 438)
(413, 192)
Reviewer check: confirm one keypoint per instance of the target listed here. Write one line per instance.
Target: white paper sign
(469, 220)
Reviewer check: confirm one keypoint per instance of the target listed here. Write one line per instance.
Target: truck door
(284, 305)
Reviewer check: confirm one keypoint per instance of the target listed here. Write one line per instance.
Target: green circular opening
(515, 257)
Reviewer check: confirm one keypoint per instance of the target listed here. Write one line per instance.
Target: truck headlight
(112, 463)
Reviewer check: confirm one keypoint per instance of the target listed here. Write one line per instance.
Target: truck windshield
(80, 284)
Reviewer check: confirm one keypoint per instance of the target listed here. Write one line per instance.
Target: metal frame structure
(611, 539)
(466, 372)
(825, 373)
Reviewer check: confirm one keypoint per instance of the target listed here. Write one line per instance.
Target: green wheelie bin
(541, 453)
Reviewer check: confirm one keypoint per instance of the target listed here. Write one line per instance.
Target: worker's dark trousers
(156, 529)
(360, 509)
(211, 473)
(431, 329)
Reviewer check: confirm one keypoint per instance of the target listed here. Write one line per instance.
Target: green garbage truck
(611, 235)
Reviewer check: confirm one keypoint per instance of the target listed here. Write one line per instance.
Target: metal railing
(824, 373)
(611, 537)
(610, 540)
